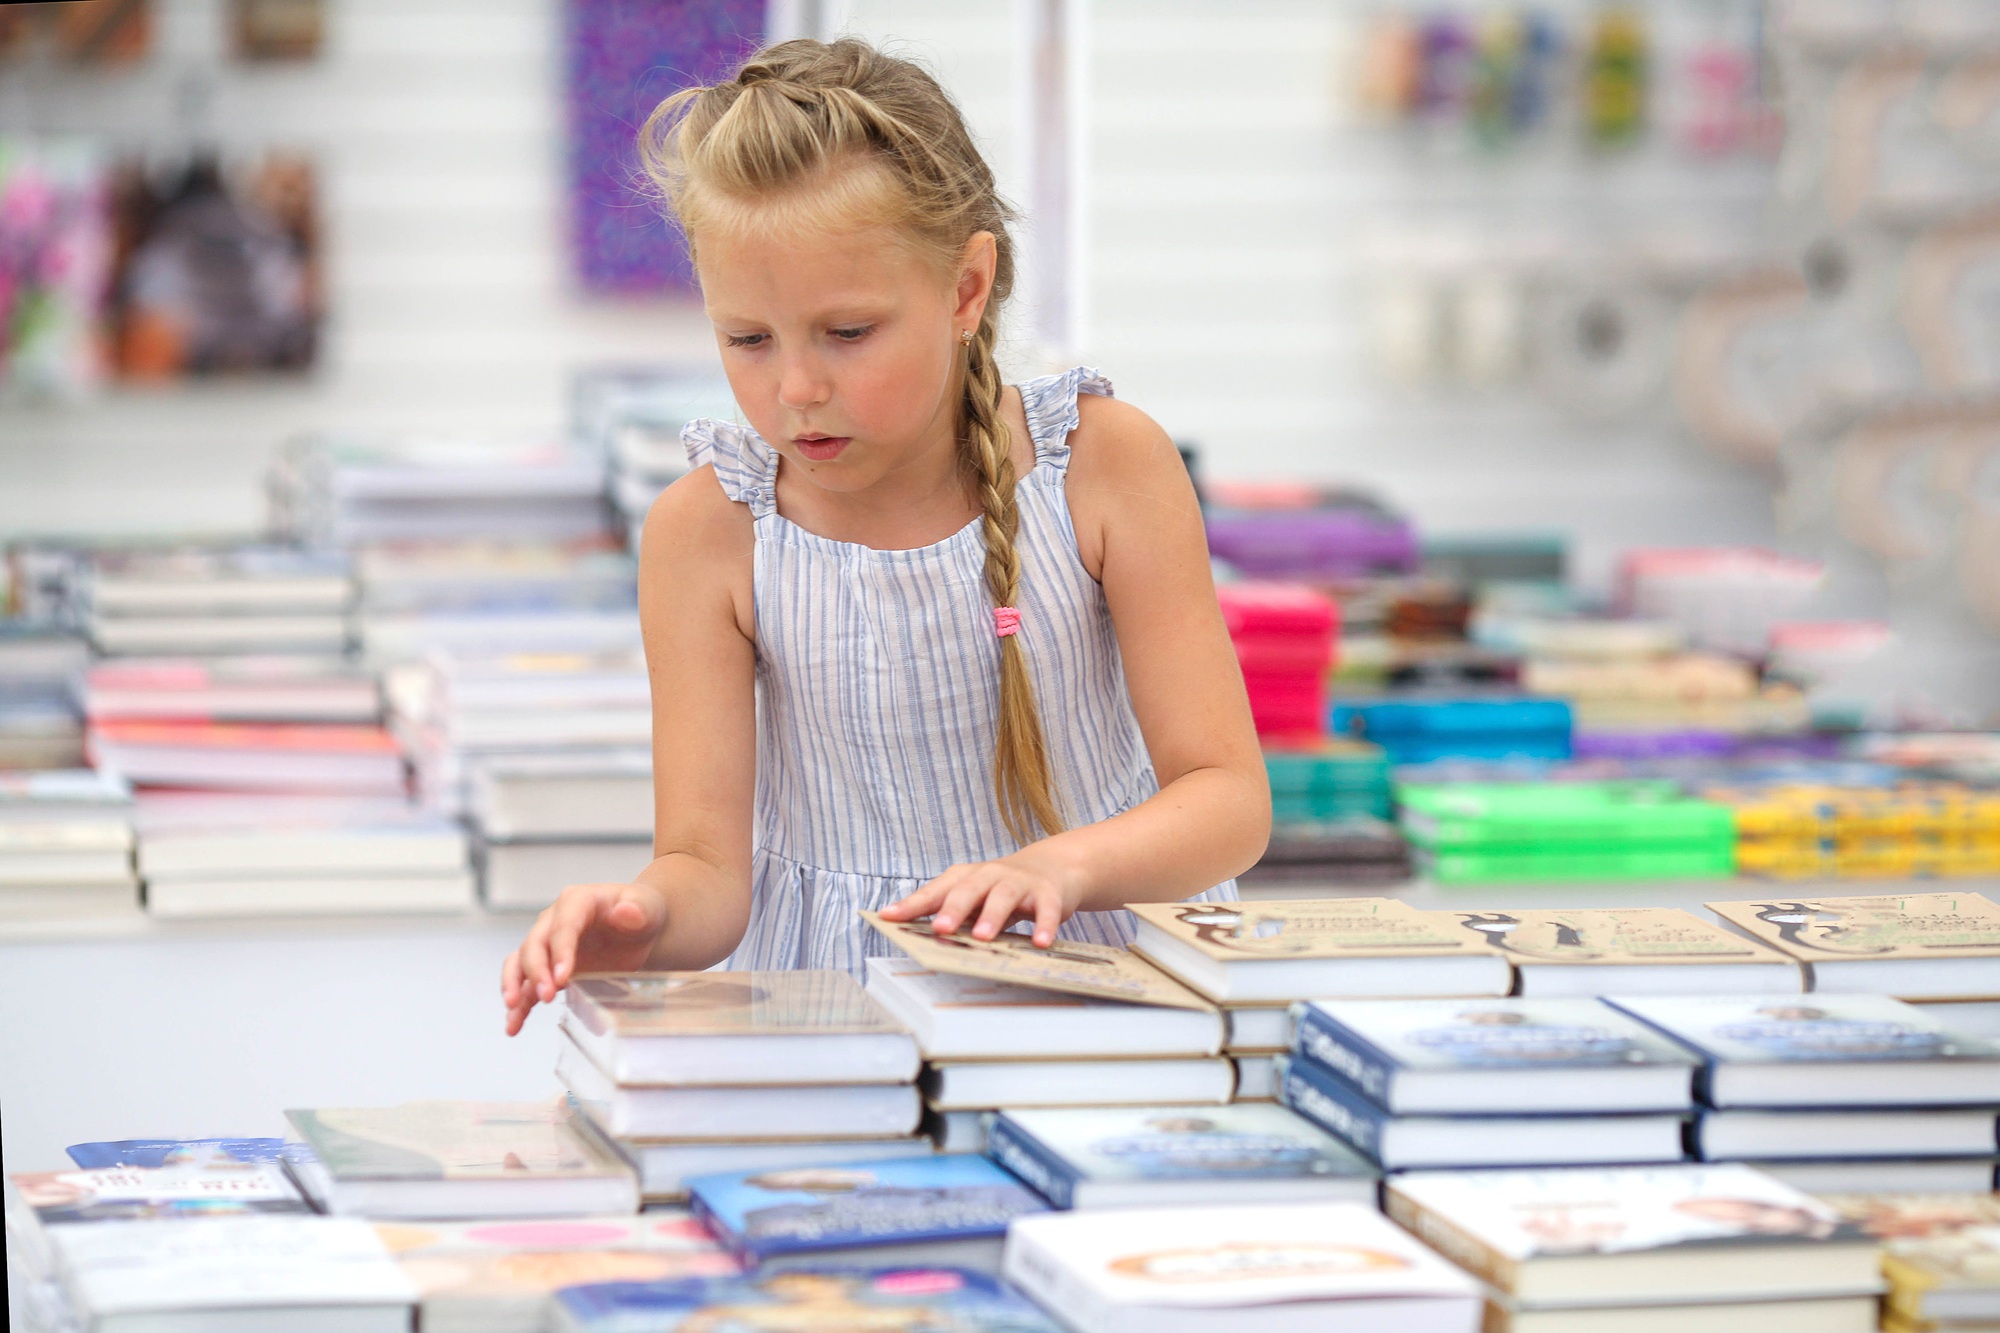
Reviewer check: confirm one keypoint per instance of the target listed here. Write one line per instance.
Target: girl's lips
(824, 448)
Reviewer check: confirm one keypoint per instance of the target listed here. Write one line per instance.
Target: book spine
(1040, 1169)
(1340, 1110)
(1323, 1040)
(1460, 1246)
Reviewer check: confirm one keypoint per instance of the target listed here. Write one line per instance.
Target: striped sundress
(878, 690)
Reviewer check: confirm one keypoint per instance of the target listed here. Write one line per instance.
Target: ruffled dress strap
(1050, 405)
(746, 466)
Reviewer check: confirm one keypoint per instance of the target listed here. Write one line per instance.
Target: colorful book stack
(1415, 1084)
(1299, 532)
(1012, 1025)
(1328, 780)
(1420, 731)
(1930, 830)
(1350, 850)
(1470, 833)
(245, 600)
(696, 1073)
(501, 595)
(215, 855)
(66, 845)
(1284, 637)
(1837, 1092)
(1727, 598)
(39, 724)
(1725, 1249)
(545, 821)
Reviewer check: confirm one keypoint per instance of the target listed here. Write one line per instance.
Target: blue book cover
(179, 1152)
(1458, 718)
(956, 1196)
(911, 1300)
(1367, 1042)
(1807, 1029)
(1334, 1104)
(1055, 1149)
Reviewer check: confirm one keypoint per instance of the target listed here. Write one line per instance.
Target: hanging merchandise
(1745, 372)
(277, 29)
(1512, 69)
(1615, 75)
(1601, 348)
(55, 251)
(1391, 69)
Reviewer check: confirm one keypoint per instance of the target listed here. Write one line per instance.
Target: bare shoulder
(1124, 472)
(698, 541)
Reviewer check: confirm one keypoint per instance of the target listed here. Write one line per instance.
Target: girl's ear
(975, 278)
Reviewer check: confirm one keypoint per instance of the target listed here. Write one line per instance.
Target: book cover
(1309, 928)
(178, 1152)
(726, 1004)
(1806, 1029)
(522, 1261)
(1610, 935)
(1055, 1149)
(1512, 1216)
(209, 1187)
(1367, 1041)
(892, 1300)
(1895, 1219)
(443, 1140)
(1071, 966)
(1901, 926)
(760, 1214)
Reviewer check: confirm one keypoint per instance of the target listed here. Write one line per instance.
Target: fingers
(1048, 916)
(636, 910)
(997, 913)
(572, 915)
(925, 900)
(962, 900)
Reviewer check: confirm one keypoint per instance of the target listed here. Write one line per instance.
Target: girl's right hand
(590, 928)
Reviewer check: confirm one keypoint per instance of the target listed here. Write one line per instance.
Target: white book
(388, 840)
(79, 794)
(1276, 1268)
(269, 1274)
(31, 869)
(1738, 1136)
(314, 895)
(583, 794)
(1258, 1028)
(862, 1110)
(528, 876)
(965, 1018)
(1840, 1314)
(665, 1168)
(1256, 1077)
(72, 834)
(221, 634)
(958, 1131)
(987, 1084)
(114, 899)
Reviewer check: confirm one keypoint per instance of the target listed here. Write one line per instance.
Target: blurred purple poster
(621, 57)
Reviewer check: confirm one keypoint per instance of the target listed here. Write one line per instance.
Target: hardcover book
(1072, 966)
(1824, 1050)
(1918, 945)
(823, 1297)
(1338, 946)
(1626, 951)
(896, 1208)
(1162, 1155)
(1471, 1057)
(185, 1153)
(446, 1159)
(1631, 1236)
(1277, 1268)
(208, 1188)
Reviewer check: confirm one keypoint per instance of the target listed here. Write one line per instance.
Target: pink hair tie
(1006, 622)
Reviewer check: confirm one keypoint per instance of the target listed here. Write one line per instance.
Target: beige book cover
(1907, 925)
(443, 1140)
(1070, 966)
(521, 1261)
(1310, 928)
(1600, 935)
(726, 1004)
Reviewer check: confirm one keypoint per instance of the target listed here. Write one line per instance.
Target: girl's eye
(855, 334)
(746, 339)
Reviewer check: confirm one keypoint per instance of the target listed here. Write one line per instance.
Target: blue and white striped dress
(878, 691)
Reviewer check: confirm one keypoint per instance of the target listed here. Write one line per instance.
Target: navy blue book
(950, 1210)
(1495, 1057)
(1410, 1142)
(177, 1152)
(948, 1300)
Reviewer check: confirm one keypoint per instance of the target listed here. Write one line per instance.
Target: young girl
(919, 641)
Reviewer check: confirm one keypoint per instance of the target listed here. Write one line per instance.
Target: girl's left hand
(993, 895)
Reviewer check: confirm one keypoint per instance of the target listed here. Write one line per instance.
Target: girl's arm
(689, 908)
(1139, 531)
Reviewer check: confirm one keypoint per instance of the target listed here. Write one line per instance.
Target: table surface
(142, 1028)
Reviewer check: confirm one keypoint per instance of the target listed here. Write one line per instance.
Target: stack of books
(1725, 1249)
(1927, 830)
(1277, 1268)
(66, 845)
(693, 1073)
(1837, 1092)
(1416, 1084)
(988, 1044)
(273, 688)
(1941, 1256)
(484, 597)
(634, 416)
(242, 600)
(1420, 731)
(1932, 948)
(1332, 779)
(1629, 951)
(1284, 636)
(447, 1160)
(213, 855)
(468, 707)
(343, 759)
(1472, 833)
(1726, 598)
(545, 821)
(39, 724)
(354, 491)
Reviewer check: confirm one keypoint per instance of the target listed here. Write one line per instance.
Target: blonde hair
(841, 135)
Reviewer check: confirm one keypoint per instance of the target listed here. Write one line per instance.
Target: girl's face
(843, 346)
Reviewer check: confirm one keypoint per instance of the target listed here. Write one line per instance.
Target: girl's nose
(802, 383)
